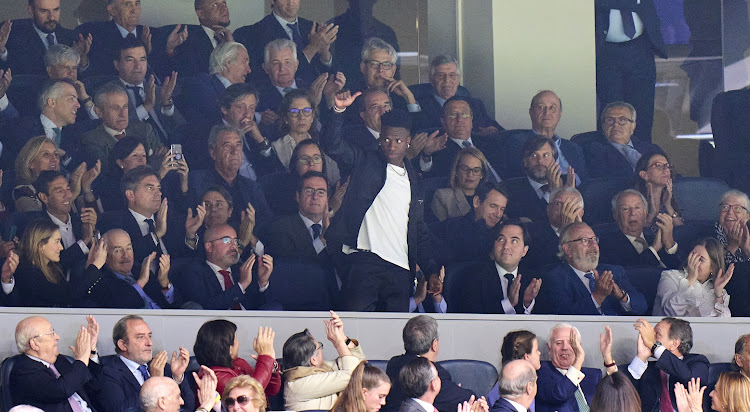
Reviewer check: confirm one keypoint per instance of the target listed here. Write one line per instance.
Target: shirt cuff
(672, 250)
(167, 112)
(4, 55)
(442, 307)
(527, 311)
(264, 288)
(507, 307)
(659, 351)
(142, 113)
(169, 294)
(425, 166)
(8, 287)
(91, 113)
(575, 375)
(626, 305)
(637, 367)
(4, 102)
(412, 305)
(83, 247)
(413, 108)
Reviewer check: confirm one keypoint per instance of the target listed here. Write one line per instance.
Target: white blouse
(674, 297)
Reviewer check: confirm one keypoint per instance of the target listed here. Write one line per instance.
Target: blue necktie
(58, 135)
(50, 40)
(296, 38)
(143, 369)
(316, 228)
(628, 24)
(592, 281)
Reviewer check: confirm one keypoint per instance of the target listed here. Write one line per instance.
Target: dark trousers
(373, 284)
(627, 72)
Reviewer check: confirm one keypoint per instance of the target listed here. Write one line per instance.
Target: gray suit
(410, 405)
(449, 203)
(97, 143)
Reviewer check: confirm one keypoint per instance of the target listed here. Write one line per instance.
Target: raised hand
(158, 363)
(435, 285)
(316, 89)
(722, 278)
(193, 223)
(401, 89)
(97, 254)
(531, 292)
(82, 347)
(681, 398)
(5, 79)
(435, 142)
(264, 270)
(75, 179)
(176, 38)
(167, 88)
(338, 196)
(150, 90)
(571, 211)
(575, 343)
(146, 39)
(161, 219)
(89, 176)
(695, 395)
(82, 46)
(163, 275)
(263, 343)
(554, 176)
(222, 34)
(416, 145)
(334, 84)
(247, 226)
(179, 363)
(344, 99)
(267, 117)
(88, 224)
(206, 384)
(643, 352)
(605, 344)
(514, 288)
(604, 284)
(9, 266)
(246, 272)
(420, 293)
(4, 34)
(646, 331)
(570, 178)
(146, 270)
(692, 267)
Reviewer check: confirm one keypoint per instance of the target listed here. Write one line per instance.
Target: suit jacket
(433, 110)
(461, 239)
(502, 405)
(170, 124)
(68, 257)
(190, 58)
(679, 370)
(200, 100)
(34, 384)
(358, 134)
(97, 144)
(410, 405)
(269, 96)
(563, 293)
(31, 126)
(448, 203)
(288, 237)
(543, 247)
(616, 249)
(105, 47)
(199, 284)
(514, 141)
(109, 291)
(555, 392)
(26, 49)
(482, 292)
(36, 291)
(450, 393)
(606, 161)
(442, 160)
(120, 391)
(524, 201)
(142, 245)
(646, 10)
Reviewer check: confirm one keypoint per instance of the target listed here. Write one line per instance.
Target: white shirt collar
(124, 32)
(217, 268)
(133, 367)
(43, 35)
(518, 406)
(126, 84)
(460, 142)
(223, 80)
(140, 219)
(426, 406)
(48, 125)
(581, 275)
(38, 360)
(633, 238)
(501, 271)
(210, 33)
(281, 89)
(112, 132)
(308, 222)
(283, 22)
(59, 222)
(375, 133)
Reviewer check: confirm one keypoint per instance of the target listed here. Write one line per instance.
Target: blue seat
(645, 279)
(716, 369)
(686, 235)
(597, 198)
(477, 376)
(379, 363)
(5, 370)
(698, 197)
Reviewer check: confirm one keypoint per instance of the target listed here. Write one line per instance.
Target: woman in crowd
(217, 346)
(615, 392)
(731, 229)
(697, 289)
(128, 153)
(468, 171)
(244, 393)
(38, 154)
(517, 344)
(366, 392)
(653, 178)
(732, 393)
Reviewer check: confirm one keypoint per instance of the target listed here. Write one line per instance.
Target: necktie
(316, 228)
(143, 369)
(130, 36)
(628, 24)
(581, 401)
(71, 400)
(120, 136)
(50, 40)
(592, 281)
(508, 276)
(296, 38)
(632, 155)
(58, 135)
(642, 242)
(136, 94)
(665, 402)
(151, 115)
(228, 284)
(466, 143)
(287, 90)
(151, 225)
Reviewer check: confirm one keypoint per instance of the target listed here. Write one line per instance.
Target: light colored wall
(475, 50)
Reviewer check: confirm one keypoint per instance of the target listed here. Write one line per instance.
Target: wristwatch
(656, 346)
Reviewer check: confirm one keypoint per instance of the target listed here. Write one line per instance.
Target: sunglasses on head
(241, 400)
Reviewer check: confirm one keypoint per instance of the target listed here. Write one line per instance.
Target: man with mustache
(581, 286)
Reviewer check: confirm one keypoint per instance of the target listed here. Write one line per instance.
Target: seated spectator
(499, 287)
(731, 229)
(366, 134)
(545, 112)
(444, 78)
(517, 387)
(469, 171)
(517, 344)
(217, 346)
(565, 207)
(24, 408)
(366, 390)
(632, 242)
(421, 341)
(470, 237)
(220, 282)
(41, 279)
(669, 342)
(161, 394)
(619, 154)
(37, 155)
(310, 381)
(127, 154)
(280, 63)
(653, 178)
(582, 286)
(731, 393)
(241, 391)
(543, 175)
(564, 385)
(124, 377)
(421, 383)
(48, 381)
(697, 289)
(615, 393)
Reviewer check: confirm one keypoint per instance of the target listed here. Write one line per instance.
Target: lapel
(575, 281)
(127, 374)
(300, 232)
(203, 42)
(278, 31)
(37, 45)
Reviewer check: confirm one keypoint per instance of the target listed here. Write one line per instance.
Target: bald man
(517, 387)
(160, 394)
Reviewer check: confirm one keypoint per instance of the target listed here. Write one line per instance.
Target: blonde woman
(468, 171)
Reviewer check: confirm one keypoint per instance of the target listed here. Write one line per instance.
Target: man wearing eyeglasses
(42, 378)
(618, 155)
(582, 286)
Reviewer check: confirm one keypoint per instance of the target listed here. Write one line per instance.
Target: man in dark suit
(375, 102)
(108, 36)
(29, 39)
(134, 364)
(628, 34)
(421, 341)
(420, 382)
(497, 288)
(42, 378)
(564, 385)
(219, 282)
(444, 79)
(313, 41)
(280, 64)
(617, 156)
(669, 342)
(633, 243)
(545, 113)
(565, 206)
(517, 385)
(458, 123)
(581, 286)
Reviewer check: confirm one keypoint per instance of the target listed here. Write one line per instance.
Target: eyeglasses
(456, 115)
(309, 191)
(241, 400)
(443, 76)
(622, 120)
(319, 346)
(476, 171)
(661, 166)
(304, 112)
(735, 208)
(50, 333)
(376, 65)
(586, 240)
(307, 160)
(227, 240)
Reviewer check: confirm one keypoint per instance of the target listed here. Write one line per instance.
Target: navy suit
(190, 58)
(28, 127)
(679, 370)
(169, 124)
(200, 100)
(514, 141)
(288, 237)
(433, 110)
(120, 391)
(68, 257)
(442, 160)
(105, 47)
(26, 49)
(606, 161)
(461, 239)
(563, 293)
(199, 284)
(358, 134)
(32, 383)
(449, 396)
(543, 247)
(556, 393)
(503, 406)
(616, 249)
(523, 200)
(481, 291)
(270, 97)
(123, 219)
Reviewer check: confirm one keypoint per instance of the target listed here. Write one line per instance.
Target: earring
(408, 145)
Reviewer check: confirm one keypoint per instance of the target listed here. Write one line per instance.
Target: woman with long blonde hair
(366, 391)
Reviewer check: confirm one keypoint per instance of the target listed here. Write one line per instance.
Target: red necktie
(665, 401)
(228, 284)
